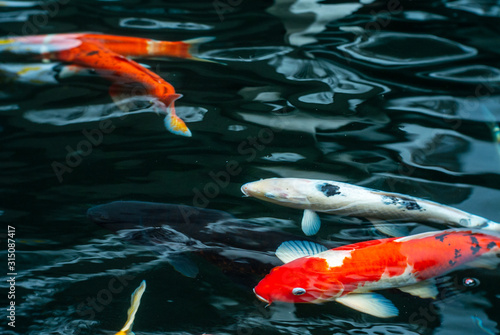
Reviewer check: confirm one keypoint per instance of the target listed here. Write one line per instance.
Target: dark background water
(398, 95)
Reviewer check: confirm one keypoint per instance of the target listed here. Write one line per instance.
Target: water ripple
(145, 23)
(476, 74)
(482, 8)
(402, 49)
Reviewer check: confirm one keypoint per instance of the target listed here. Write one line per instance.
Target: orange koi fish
(128, 78)
(106, 55)
(350, 273)
(135, 301)
(124, 45)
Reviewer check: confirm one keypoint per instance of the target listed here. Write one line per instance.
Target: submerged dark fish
(239, 248)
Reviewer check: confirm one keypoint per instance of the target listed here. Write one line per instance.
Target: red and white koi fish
(135, 301)
(332, 197)
(106, 55)
(350, 273)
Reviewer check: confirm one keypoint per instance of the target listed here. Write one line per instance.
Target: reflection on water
(396, 49)
(471, 74)
(304, 19)
(404, 101)
(19, 16)
(94, 113)
(144, 23)
(337, 79)
(483, 8)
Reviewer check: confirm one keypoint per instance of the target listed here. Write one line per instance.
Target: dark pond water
(400, 95)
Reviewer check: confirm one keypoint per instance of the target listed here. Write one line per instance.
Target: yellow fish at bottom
(135, 301)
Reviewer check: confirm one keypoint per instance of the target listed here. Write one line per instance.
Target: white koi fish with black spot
(332, 197)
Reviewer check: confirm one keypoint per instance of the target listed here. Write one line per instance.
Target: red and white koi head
(303, 280)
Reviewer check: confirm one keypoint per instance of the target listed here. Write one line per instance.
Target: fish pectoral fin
(389, 229)
(310, 222)
(423, 289)
(183, 265)
(370, 303)
(71, 70)
(135, 301)
(291, 250)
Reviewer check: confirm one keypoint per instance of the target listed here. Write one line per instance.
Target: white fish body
(339, 198)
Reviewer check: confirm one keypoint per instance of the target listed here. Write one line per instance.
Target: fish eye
(298, 291)
(470, 282)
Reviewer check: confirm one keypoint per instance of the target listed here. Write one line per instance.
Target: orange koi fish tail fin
(173, 123)
(194, 45)
(187, 49)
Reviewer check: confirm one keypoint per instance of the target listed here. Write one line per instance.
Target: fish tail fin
(194, 45)
(193, 49)
(135, 301)
(173, 123)
(187, 49)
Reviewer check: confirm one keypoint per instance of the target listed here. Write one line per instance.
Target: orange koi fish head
(301, 281)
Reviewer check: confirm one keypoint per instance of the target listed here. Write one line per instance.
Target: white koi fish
(135, 301)
(338, 198)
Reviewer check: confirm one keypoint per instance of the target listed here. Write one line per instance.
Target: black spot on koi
(491, 245)
(457, 253)
(474, 248)
(409, 204)
(441, 237)
(92, 53)
(452, 262)
(328, 189)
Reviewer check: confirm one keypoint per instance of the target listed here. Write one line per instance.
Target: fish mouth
(97, 215)
(261, 298)
(245, 189)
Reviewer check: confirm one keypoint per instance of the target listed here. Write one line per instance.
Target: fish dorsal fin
(423, 289)
(370, 303)
(135, 301)
(292, 250)
(310, 222)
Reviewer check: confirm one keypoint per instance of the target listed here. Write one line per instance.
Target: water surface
(400, 96)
